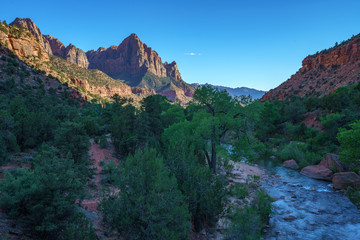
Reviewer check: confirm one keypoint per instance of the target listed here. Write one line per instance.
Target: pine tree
(148, 204)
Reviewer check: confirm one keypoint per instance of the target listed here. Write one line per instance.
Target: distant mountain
(255, 94)
(323, 72)
(137, 69)
(137, 65)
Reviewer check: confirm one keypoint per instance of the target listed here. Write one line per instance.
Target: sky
(257, 44)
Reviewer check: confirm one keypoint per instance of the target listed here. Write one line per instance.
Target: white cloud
(192, 54)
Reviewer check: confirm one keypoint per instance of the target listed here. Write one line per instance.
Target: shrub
(239, 191)
(43, 197)
(248, 222)
(103, 141)
(79, 228)
(291, 151)
(148, 205)
(350, 141)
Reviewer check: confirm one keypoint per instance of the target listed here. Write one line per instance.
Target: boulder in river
(317, 172)
(343, 180)
(291, 164)
(331, 161)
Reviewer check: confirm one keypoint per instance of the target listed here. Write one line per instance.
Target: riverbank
(244, 181)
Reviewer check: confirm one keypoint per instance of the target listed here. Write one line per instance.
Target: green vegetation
(47, 127)
(350, 142)
(148, 205)
(93, 76)
(286, 135)
(170, 180)
(43, 196)
(248, 222)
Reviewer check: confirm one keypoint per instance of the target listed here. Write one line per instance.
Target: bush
(79, 228)
(239, 191)
(148, 205)
(354, 195)
(103, 141)
(350, 141)
(42, 197)
(248, 222)
(291, 151)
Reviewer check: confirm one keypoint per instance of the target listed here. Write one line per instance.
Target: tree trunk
(213, 153)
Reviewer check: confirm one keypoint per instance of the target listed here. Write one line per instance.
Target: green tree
(219, 117)
(71, 137)
(43, 197)
(350, 141)
(203, 190)
(148, 205)
(269, 118)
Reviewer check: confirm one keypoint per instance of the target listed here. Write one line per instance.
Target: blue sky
(256, 44)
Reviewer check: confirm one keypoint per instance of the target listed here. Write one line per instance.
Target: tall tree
(221, 115)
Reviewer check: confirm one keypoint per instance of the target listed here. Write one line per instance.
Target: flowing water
(308, 209)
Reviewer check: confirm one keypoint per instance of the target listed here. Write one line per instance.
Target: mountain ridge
(238, 91)
(131, 62)
(323, 72)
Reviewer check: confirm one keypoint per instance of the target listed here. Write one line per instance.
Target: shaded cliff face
(323, 72)
(76, 55)
(57, 47)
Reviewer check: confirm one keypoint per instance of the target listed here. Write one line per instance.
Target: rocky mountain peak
(132, 57)
(132, 61)
(76, 55)
(57, 47)
(172, 70)
(34, 30)
(28, 24)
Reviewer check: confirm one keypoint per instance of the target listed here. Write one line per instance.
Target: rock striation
(103, 91)
(322, 73)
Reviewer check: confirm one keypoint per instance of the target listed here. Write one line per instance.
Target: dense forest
(171, 179)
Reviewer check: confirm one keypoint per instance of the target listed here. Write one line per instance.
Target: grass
(93, 76)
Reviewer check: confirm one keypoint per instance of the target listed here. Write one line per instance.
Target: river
(308, 209)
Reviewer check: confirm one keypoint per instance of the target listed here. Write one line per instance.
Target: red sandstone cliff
(132, 61)
(131, 57)
(322, 73)
(53, 45)
(24, 45)
(141, 67)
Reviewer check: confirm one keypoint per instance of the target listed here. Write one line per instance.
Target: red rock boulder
(291, 164)
(331, 161)
(343, 180)
(317, 172)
